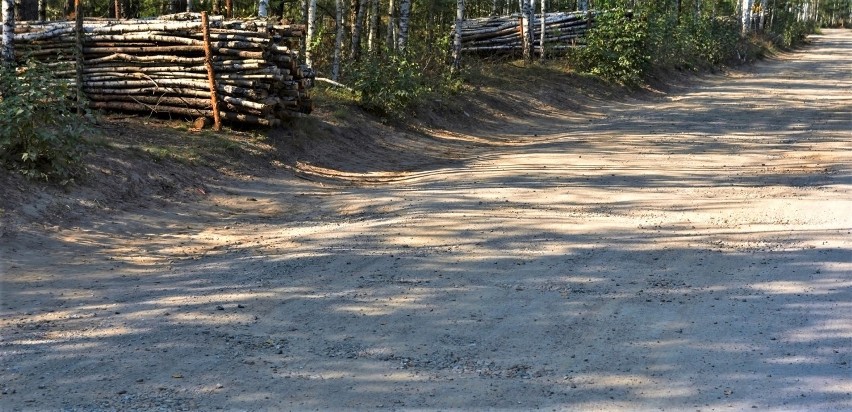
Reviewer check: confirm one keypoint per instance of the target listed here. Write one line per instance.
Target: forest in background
(341, 34)
(394, 54)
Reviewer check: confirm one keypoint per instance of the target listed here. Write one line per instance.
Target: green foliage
(616, 49)
(391, 85)
(39, 135)
(793, 33)
(388, 84)
(693, 43)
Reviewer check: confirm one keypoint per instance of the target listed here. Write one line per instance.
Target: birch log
(559, 30)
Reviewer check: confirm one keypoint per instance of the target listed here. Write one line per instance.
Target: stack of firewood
(503, 33)
(158, 65)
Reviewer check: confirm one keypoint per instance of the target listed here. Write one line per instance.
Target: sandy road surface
(692, 253)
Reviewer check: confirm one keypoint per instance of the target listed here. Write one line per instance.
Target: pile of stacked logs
(503, 33)
(161, 65)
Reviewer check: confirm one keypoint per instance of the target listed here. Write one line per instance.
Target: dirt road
(684, 253)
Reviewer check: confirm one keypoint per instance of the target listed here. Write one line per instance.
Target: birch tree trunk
(188, 7)
(373, 30)
(493, 7)
(391, 39)
(309, 40)
(746, 16)
(526, 29)
(357, 28)
(338, 41)
(404, 12)
(457, 39)
(7, 9)
(543, 30)
(262, 8)
(42, 10)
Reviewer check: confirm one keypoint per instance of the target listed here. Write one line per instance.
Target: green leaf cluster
(693, 42)
(40, 136)
(391, 84)
(616, 48)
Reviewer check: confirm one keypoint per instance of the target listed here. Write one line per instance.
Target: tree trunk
(746, 16)
(42, 10)
(543, 29)
(526, 29)
(338, 41)
(303, 7)
(457, 40)
(262, 8)
(78, 54)
(8, 46)
(357, 28)
(404, 11)
(309, 40)
(391, 38)
(373, 30)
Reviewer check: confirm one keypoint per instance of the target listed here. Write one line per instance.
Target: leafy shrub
(39, 134)
(387, 84)
(616, 48)
(693, 43)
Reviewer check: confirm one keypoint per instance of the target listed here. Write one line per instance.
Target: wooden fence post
(211, 75)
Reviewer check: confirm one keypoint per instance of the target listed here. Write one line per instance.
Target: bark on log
(501, 33)
(139, 63)
(211, 76)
